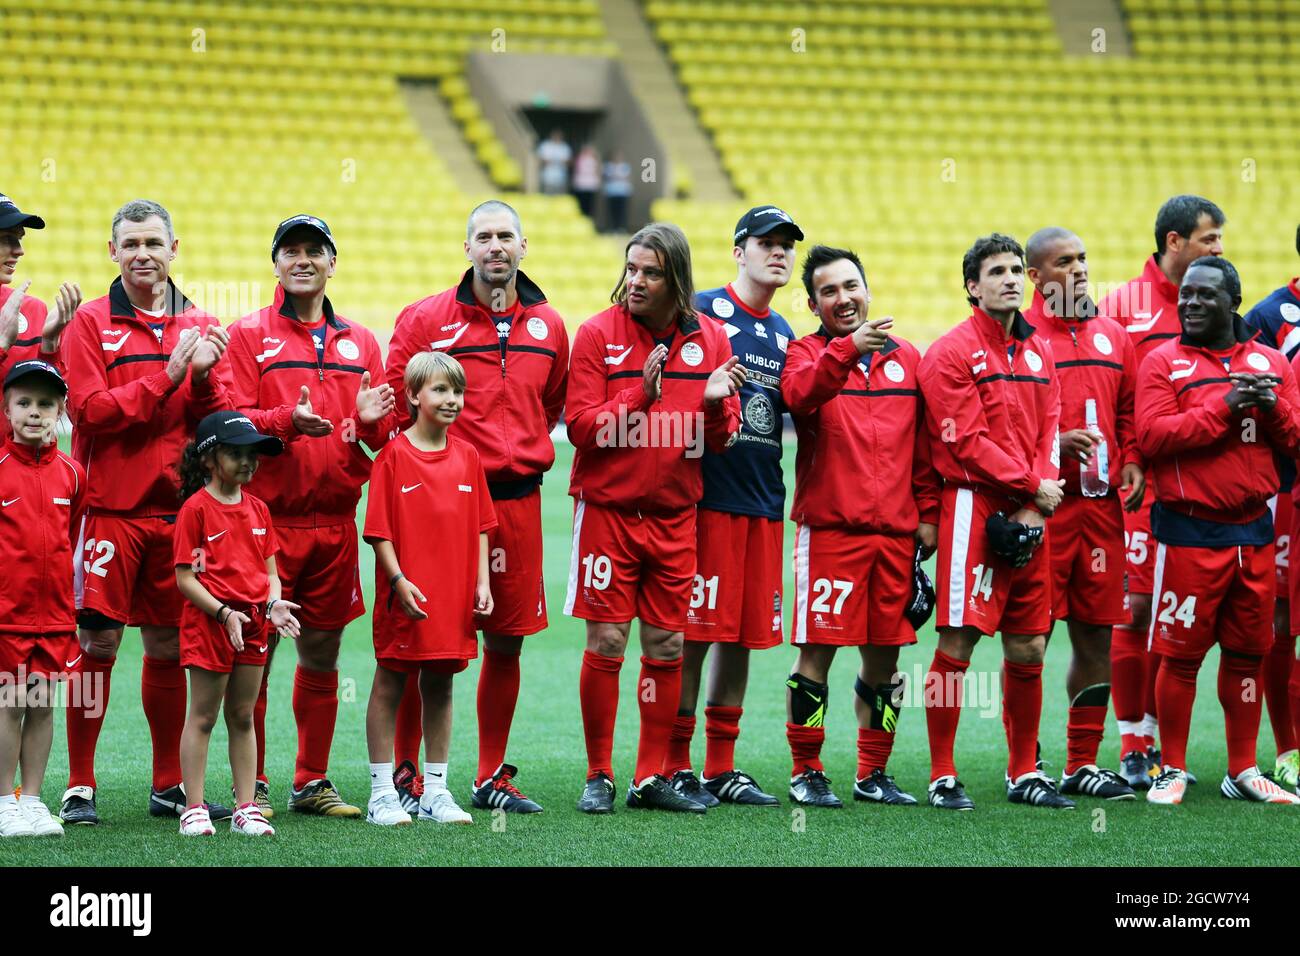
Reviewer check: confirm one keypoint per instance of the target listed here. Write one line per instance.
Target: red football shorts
(453, 665)
(736, 597)
(206, 645)
(976, 588)
(1282, 517)
(1206, 594)
(51, 656)
(1087, 553)
(1140, 547)
(851, 588)
(319, 571)
(628, 565)
(515, 568)
(126, 571)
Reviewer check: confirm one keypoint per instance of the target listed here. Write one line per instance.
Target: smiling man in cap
(303, 373)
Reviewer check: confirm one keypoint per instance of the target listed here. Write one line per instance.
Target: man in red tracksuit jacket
(1214, 408)
(27, 330)
(992, 404)
(866, 497)
(1099, 464)
(515, 352)
(651, 380)
(142, 370)
(304, 373)
(1187, 227)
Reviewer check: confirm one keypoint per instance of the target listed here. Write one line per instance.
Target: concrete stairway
(441, 129)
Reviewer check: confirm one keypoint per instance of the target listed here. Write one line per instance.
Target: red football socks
(1238, 679)
(659, 691)
(1128, 653)
(162, 691)
(410, 725)
(1150, 700)
(315, 707)
(259, 725)
(598, 693)
(498, 691)
(1023, 700)
(679, 745)
(805, 747)
(874, 748)
(83, 730)
(1083, 732)
(721, 728)
(1276, 680)
(942, 697)
(1175, 693)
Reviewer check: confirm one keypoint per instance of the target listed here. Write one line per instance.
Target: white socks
(435, 777)
(381, 779)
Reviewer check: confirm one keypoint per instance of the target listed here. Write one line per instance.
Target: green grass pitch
(547, 744)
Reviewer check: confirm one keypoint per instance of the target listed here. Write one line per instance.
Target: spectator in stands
(555, 154)
(586, 179)
(618, 186)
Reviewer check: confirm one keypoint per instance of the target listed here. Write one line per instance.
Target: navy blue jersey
(1277, 316)
(747, 478)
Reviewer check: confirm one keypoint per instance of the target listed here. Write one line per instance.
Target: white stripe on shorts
(79, 569)
(1155, 592)
(801, 543)
(573, 559)
(961, 515)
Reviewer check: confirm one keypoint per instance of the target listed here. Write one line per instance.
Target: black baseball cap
(307, 222)
(761, 220)
(36, 367)
(11, 215)
(232, 428)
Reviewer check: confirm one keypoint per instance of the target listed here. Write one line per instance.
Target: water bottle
(1094, 474)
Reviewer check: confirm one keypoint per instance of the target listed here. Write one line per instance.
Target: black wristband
(218, 614)
(395, 578)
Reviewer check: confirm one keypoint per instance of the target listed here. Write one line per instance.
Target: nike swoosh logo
(271, 353)
(73, 662)
(6, 504)
(262, 649)
(1143, 326)
(1183, 373)
(410, 488)
(444, 343)
(609, 360)
(114, 346)
(214, 537)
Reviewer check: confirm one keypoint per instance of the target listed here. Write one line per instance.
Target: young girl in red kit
(427, 517)
(225, 568)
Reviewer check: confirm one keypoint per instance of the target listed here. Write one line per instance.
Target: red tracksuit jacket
(1147, 307)
(31, 320)
(864, 457)
(513, 400)
(1208, 461)
(992, 419)
(130, 422)
(42, 496)
(609, 354)
(1094, 359)
(271, 356)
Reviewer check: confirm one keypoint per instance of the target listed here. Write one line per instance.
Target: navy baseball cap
(307, 222)
(761, 220)
(34, 367)
(11, 215)
(232, 428)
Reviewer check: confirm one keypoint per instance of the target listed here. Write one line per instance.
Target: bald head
(1040, 244)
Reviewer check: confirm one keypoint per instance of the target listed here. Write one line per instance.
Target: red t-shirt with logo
(227, 546)
(432, 506)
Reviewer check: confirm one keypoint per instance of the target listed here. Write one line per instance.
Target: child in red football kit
(225, 568)
(427, 517)
(42, 492)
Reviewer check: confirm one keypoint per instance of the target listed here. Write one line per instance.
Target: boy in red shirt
(427, 517)
(224, 550)
(42, 492)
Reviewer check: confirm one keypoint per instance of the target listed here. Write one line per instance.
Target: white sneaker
(248, 821)
(1169, 787)
(440, 807)
(43, 822)
(386, 811)
(196, 822)
(1252, 785)
(13, 822)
